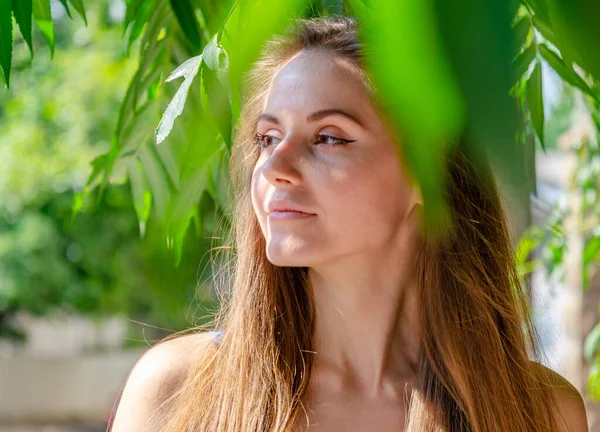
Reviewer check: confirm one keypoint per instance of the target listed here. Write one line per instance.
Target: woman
(342, 316)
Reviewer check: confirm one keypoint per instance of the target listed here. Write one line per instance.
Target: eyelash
(259, 140)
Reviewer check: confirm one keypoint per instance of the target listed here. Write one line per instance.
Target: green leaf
(531, 239)
(184, 11)
(136, 120)
(521, 30)
(216, 104)
(193, 146)
(142, 196)
(575, 24)
(132, 7)
(6, 39)
(215, 86)
(539, 8)
(142, 14)
(591, 250)
(479, 42)
(66, 6)
(218, 185)
(188, 69)
(154, 51)
(78, 6)
(544, 29)
(22, 9)
(152, 16)
(138, 130)
(43, 18)
(98, 167)
(424, 98)
(593, 384)
(184, 204)
(536, 102)
(522, 62)
(157, 181)
(570, 76)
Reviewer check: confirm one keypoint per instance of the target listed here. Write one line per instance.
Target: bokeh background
(99, 260)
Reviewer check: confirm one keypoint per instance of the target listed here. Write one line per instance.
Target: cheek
(258, 199)
(366, 205)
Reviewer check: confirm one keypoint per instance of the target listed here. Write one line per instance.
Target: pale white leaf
(189, 70)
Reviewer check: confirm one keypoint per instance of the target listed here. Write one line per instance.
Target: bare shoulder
(572, 416)
(154, 377)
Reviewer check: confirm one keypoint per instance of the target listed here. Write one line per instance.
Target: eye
(264, 140)
(331, 140)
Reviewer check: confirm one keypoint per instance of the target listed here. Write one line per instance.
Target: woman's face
(356, 191)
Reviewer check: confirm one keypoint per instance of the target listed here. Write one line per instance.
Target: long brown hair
(474, 372)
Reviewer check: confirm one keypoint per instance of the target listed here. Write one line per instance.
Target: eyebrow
(316, 116)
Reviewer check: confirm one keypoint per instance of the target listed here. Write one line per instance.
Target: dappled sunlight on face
(326, 151)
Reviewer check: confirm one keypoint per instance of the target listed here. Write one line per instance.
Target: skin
(359, 243)
(358, 248)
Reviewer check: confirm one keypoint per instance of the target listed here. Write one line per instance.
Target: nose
(283, 163)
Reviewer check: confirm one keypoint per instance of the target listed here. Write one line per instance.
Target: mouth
(289, 214)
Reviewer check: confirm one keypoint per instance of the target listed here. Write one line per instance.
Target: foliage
(551, 239)
(464, 67)
(25, 12)
(55, 118)
(472, 68)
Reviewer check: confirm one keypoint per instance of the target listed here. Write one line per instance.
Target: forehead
(315, 80)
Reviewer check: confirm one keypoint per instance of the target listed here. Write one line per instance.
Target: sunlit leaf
(544, 29)
(593, 384)
(131, 9)
(142, 15)
(523, 61)
(521, 30)
(188, 69)
(561, 69)
(535, 101)
(43, 18)
(591, 250)
(6, 39)
(531, 239)
(22, 9)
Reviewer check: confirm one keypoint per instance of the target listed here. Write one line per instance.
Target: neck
(365, 331)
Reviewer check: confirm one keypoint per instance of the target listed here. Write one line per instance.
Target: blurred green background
(57, 116)
(98, 220)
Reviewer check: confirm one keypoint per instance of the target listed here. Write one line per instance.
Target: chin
(294, 258)
(287, 261)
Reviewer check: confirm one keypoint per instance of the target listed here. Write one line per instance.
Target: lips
(287, 211)
(281, 205)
